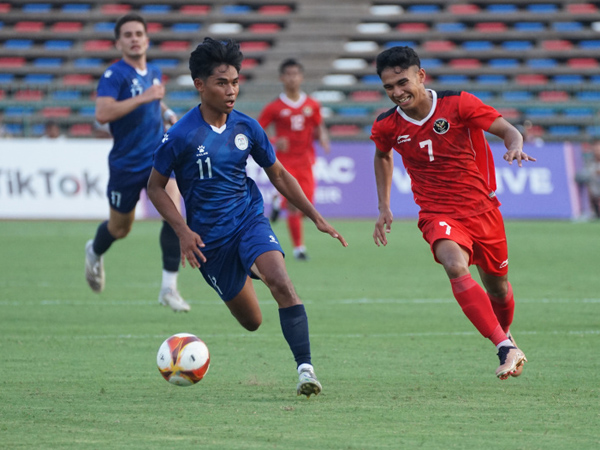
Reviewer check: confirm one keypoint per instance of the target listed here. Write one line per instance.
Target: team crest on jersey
(241, 142)
(307, 110)
(441, 126)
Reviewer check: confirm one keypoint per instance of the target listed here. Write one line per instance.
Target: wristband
(168, 114)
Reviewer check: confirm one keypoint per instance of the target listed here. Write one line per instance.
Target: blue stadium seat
(579, 112)
(58, 45)
(166, 62)
(491, 79)
(593, 130)
(104, 26)
(48, 62)
(595, 79)
(588, 96)
(562, 130)
(20, 44)
(76, 8)
(502, 8)
(540, 111)
(391, 44)
(484, 96)
(529, 26)
(235, 9)
(1, 24)
(185, 27)
(567, 26)
(477, 45)
(37, 8)
(431, 63)
(352, 111)
(38, 78)
(6, 78)
(155, 9)
(87, 111)
(503, 62)
(453, 79)
(14, 129)
(542, 63)
(568, 79)
(18, 111)
(38, 129)
(65, 95)
(543, 8)
(517, 96)
(371, 79)
(589, 44)
(450, 27)
(88, 62)
(423, 9)
(517, 45)
(182, 95)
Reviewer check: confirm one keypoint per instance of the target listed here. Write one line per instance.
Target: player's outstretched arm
(189, 241)
(384, 169)
(290, 189)
(513, 141)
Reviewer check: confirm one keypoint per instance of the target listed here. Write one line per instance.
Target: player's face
(292, 78)
(133, 41)
(405, 87)
(219, 91)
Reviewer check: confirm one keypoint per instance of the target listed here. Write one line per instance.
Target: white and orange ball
(183, 359)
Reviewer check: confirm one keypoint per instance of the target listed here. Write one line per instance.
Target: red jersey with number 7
(446, 155)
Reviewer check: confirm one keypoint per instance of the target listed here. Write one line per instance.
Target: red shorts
(483, 237)
(306, 180)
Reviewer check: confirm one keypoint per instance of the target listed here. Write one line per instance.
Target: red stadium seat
(28, 95)
(249, 63)
(2, 94)
(582, 63)
(154, 27)
(264, 28)
(80, 130)
(491, 27)
(582, 8)
(67, 27)
(77, 79)
(4, 7)
(553, 96)
(97, 45)
(113, 8)
(463, 9)
(273, 10)
(366, 96)
(465, 63)
(195, 10)
(28, 27)
(557, 44)
(509, 113)
(254, 46)
(531, 78)
(174, 46)
(12, 61)
(344, 130)
(413, 27)
(439, 46)
(56, 111)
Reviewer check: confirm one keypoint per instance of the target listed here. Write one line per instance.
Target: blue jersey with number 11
(210, 167)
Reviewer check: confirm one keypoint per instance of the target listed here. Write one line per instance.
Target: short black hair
(290, 62)
(131, 17)
(403, 57)
(211, 54)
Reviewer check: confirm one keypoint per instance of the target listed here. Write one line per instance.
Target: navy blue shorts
(124, 188)
(227, 267)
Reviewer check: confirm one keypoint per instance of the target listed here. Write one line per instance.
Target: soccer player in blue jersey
(129, 98)
(227, 235)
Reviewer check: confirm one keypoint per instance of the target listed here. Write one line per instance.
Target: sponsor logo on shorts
(441, 126)
(241, 142)
(504, 264)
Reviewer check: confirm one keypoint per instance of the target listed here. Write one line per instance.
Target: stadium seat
(490, 27)
(582, 113)
(154, 27)
(484, 96)
(491, 79)
(529, 27)
(588, 96)
(28, 27)
(557, 44)
(464, 63)
(541, 63)
(509, 113)
(98, 45)
(112, 8)
(254, 46)
(155, 9)
(69, 95)
(249, 63)
(543, 8)
(104, 27)
(182, 95)
(348, 64)
(361, 46)
(194, 10)
(58, 45)
(412, 27)
(564, 130)
(235, 9)
(553, 96)
(504, 63)
(344, 130)
(18, 44)
(166, 62)
(5, 7)
(373, 28)
(567, 26)
(67, 27)
(502, 8)
(450, 27)
(88, 111)
(386, 10)
(517, 96)
(174, 46)
(459, 9)
(582, 63)
(56, 111)
(352, 111)
(531, 79)
(36, 8)
(339, 80)
(581, 8)
(423, 9)
(14, 129)
(88, 62)
(391, 44)
(28, 95)
(185, 27)
(439, 46)
(12, 61)
(264, 28)
(77, 79)
(272, 10)
(76, 8)
(568, 79)
(48, 62)
(453, 79)
(2, 94)
(431, 63)
(18, 111)
(540, 112)
(366, 96)
(80, 130)
(6, 78)
(477, 45)
(38, 78)
(517, 46)
(371, 79)
(589, 44)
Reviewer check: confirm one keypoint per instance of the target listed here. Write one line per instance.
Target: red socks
(294, 222)
(504, 308)
(476, 305)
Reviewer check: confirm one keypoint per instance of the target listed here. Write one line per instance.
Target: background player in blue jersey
(130, 99)
(227, 235)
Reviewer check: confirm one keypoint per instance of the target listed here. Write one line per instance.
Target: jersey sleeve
(164, 155)
(380, 137)
(262, 151)
(266, 116)
(109, 84)
(475, 113)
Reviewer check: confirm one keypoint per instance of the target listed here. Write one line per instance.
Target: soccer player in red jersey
(297, 121)
(440, 136)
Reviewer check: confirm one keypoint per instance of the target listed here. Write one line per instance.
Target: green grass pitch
(401, 366)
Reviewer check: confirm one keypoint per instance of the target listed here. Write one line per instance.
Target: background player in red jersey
(297, 121)
(440, 136)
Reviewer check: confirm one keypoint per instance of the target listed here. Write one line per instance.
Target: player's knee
(120, 232)
(456, 269)
(252, 323)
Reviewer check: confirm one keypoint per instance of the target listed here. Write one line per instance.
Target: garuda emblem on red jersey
(441, 126)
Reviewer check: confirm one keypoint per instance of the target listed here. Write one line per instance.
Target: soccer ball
(183, 359)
